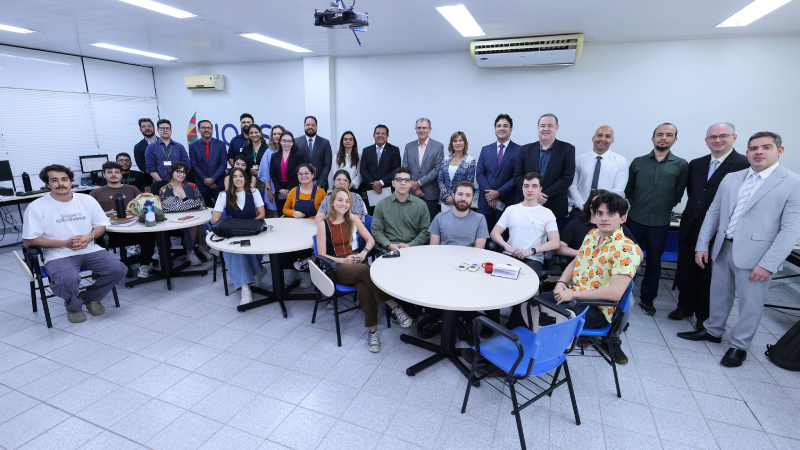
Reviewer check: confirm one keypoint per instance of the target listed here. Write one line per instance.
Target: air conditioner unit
(204, 82)
(561, 50)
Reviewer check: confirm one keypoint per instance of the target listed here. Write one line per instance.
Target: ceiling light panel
(160, 8)
(275, 42)
(752, 12)
(15, 29)
(461, 19)
(135, 52)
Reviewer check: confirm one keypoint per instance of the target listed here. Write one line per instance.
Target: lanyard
(127, 180)
(163, 149)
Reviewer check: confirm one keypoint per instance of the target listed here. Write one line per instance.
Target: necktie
(378, 151)
(208, 150)
(711, 169)
(749, 184)
(310, 146)
(596, 176)
(500, 154)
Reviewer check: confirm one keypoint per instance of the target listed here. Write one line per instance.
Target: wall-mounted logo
(191, 134)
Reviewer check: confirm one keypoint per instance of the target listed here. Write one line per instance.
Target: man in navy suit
(495, 173)
(705, 175)
(554, 160)
(318, 150)
(208, 157)
(378, 162)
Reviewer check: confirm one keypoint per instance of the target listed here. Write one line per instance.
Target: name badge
(167, 163)
(255, 166)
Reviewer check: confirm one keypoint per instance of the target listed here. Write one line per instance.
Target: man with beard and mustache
(148, 129)
(461, 226)
(318, 150)
(207, 155)
(656, 183)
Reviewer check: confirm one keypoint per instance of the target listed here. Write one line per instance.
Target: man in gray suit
(424, 157)
(754, 222)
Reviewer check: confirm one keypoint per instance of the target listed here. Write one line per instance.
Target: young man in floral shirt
(604, 267)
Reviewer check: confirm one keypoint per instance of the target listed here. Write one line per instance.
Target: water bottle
(119, 204)
(26, 182)
(149, 214)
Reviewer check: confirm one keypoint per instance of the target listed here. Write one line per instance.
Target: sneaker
(373, 343)
(647, 306)
(301, 265)
(289, 277)
(247, 295)
(144, 271)
(330, 304)
(619, 356)
(305, 280)
(132, 250)
(94, 308)
(204, 252)
(257, 279)
(466, 332)
(400, 317)
(76, 317)
(193, 259)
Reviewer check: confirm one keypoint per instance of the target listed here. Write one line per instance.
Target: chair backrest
(157, 185)
(368, 222)
(625, 301)
(314, 239)
(548, 349)
(320, 280)
(25, 269)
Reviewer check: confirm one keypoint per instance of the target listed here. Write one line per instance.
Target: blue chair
(610, 331)
(522, 354)
(670, 255)
(33, 265)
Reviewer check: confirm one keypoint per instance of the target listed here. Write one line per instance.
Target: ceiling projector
(338, 16)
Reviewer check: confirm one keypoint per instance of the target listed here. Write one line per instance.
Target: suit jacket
(321, 158)
(702, 192)
(371, 172)
(138, 157)
(216, 165)
(769, 226)
(558, 176)
(427, 172)
(491, 178)
(295, 159)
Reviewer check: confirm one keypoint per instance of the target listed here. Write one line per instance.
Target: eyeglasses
(422, 128)
(146, 126)
(206, 128)
(182, 172)
(502, 125)
(123, 160)
(303, 174)
(720, 136)
(402, 180)
(164, 128)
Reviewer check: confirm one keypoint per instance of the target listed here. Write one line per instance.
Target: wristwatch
(93, 236)
(533, 250)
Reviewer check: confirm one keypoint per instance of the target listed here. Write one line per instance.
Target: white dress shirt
(613, 176)
(355, 172)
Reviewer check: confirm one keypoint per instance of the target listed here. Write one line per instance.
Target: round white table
(162, 229)
(287, 235)
(428, 276)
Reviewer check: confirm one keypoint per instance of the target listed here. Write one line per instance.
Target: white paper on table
(374, 197)
(505, 271)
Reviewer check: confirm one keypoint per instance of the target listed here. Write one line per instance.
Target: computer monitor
(93, 163)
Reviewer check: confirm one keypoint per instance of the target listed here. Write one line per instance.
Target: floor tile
(157, 380)
(68, 435)
(190, 390)
(193, 357)
(769, 394)
(345, 435)
(564, 433)
(671, 398)
(710, 383)
(54, 383)
(302, 429)
(256, 376)
(13, 403)
(389, 383)
(628, 416)
(726, 410)
(291, 387)
(730, 437)
(128, 369)
(147, 421)
(83, 394)
(777, 421)
(417, 425)
(371, 411)
(261, 416)
(683, 429)
(329, 398)
(231, 438)
(107, 440)
(458, 433)
(113, 407)
(617, 438)
(29, 424)
(224, 403)
(224, 366)
(188, 432)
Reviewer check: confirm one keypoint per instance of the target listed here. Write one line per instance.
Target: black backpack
(786, 352)
(232, 227)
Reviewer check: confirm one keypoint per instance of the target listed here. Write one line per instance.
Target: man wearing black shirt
(148, 130)
(238, 142)
(130, 177)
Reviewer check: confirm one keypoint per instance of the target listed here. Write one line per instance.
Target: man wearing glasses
(131, 177)
(705, 175)
(148, 129)
(208, 157)
(160, 154)
(401, 220)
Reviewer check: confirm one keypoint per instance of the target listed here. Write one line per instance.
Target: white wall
(271, 92)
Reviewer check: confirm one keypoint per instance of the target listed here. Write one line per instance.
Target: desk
(427, 276)
(12, 200)
(287, 235)
(166, 271)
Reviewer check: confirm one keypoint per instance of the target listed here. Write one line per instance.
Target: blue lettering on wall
(235, 131)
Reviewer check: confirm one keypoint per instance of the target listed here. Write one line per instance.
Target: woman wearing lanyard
(335, 242)
(347, 159)
(456, 168)
(254, 151)
(240, 162)
(263, 170)
(241, 203)
(283, 168)
(178, 187)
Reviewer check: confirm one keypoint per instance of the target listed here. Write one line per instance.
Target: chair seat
(503, 353)
(343, 288)
(670, 257)
(596, 331)
(45, 275)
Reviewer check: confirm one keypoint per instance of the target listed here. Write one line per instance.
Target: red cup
(488, 267)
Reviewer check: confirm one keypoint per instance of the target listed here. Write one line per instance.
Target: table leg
(279, 292)
(446, 349)
(166, 271)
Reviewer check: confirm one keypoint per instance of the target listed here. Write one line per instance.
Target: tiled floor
(182, 369)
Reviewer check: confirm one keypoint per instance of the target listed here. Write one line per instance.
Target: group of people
(604, 215)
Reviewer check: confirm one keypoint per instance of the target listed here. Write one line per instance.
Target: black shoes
(699, 335)
(699, 324)
(647, 307)
(733, 357)
(679, 314)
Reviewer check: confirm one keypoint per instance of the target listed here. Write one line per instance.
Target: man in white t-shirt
(65, 227)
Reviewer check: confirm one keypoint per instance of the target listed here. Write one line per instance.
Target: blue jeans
(242, 268)
(651, 240)
(187, 238)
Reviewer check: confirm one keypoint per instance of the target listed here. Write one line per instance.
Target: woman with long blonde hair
(336, 242)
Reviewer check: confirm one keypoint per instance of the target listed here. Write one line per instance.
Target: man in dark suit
(554, 160)
(378, 162)
(705, 175)
(148, 130)
(208, 157)
(317, 149)
(495, 172)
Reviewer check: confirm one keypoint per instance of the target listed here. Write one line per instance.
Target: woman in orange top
(303, 201)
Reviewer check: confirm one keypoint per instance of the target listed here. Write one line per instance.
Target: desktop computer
(93, 164)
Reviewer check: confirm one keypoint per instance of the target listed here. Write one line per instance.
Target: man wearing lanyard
(238, 143)
(160, 155)
(207, 155)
